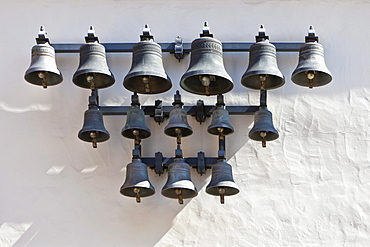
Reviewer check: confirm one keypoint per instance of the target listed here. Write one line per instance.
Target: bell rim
(230, 189)
(296, 74)
(169, 193)
(167, 83)
(247, 79)
(30, 73)
(84, 84)
(147, 191)
(230, 85)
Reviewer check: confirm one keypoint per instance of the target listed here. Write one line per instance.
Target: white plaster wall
(311, 187)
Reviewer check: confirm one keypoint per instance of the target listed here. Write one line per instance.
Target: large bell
(206, 74)
(222, 183)
(179, 184)
(220, 123)
(311, 70)
(43, 70)
(263, 129)
(147, 74)
(135, 124)
(93, 129)
(262, 72)
(93, 71)
(137, 182)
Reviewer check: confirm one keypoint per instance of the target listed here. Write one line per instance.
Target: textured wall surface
(311, 187)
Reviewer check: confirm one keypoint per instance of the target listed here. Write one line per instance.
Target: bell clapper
(221, 133)
(206, 81)
(310, 76)
(42, 76)
(262, 80)
(263, 135)
(178, 137)
(137, 192)
(222, 191)
(93, 136)
(90, 79)
(179, 195)
(136, 134)
(146, 83)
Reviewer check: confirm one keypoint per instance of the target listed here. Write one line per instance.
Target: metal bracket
(201, 165)
(179, 49)
(91, 37)
(201, 112)
(262, 34)
(206, 31)
(158, 163)
(42, 38)
(146, 34)
(311, 37)
(158, 112)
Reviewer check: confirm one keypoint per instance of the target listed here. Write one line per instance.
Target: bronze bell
(93, 71)
(178, 123)
(220, 123)
(263, 129)
(222, 183)
(137, 182)
(93, 129)
(43, 70)
(262, 72)
(135, 124)
(179, 184)
(311, 70)
(147, 74)
(206, 74)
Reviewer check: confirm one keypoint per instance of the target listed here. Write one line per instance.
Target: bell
(222, 183)
(220, 123)
(43, 70)
(263, 129)
(147, 74)
(93, 71)
(179, 184)
(137, 182)
(206, 74)
(311, 70)
(262, 72)
(93, 129)
(135, 124)
(178, 122)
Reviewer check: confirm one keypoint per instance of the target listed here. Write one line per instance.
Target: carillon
(206, 75)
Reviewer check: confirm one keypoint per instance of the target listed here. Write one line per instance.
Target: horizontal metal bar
(170, 47)
(191, 110)
(192, 161)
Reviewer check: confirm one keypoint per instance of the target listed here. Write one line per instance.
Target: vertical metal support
(201, 165)
(158, 163)
(263, 99)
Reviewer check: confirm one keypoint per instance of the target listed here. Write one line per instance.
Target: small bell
(263, 129)
(220, 120)
(93, 71)
(262, 72)
(179, 185)
(178, 123)
(206, 74)
(135, 124)
(222, 183)
(137, 182)
(311, 70)
(93, 129)
(147, 74)
(43, 70)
